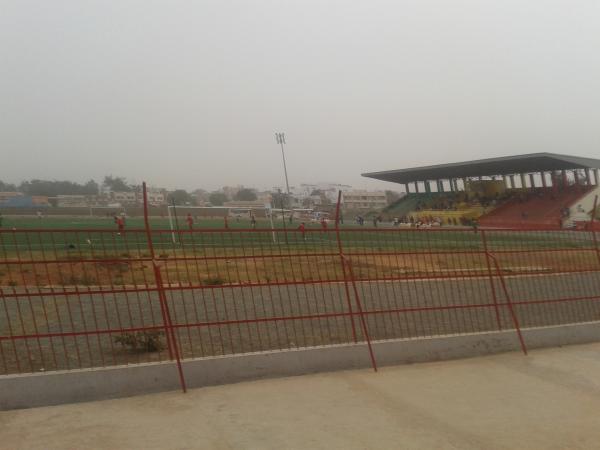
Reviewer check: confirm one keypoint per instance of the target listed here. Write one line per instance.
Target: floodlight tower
(280, 139)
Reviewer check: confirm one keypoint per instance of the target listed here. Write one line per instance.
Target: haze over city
(189, 94)
(421, 270)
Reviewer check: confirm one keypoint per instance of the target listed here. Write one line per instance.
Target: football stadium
(479, 247)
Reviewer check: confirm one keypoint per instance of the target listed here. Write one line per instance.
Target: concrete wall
(25, 391)
(586, 202)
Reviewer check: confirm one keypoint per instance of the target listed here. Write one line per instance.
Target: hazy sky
(189, 93)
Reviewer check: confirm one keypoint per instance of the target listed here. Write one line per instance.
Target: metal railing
(79, 298)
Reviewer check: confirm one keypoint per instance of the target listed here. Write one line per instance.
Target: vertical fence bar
(341, 252)
(592, 226)
(491, 278)
(510, 305)
(360, 312)
(168, 326)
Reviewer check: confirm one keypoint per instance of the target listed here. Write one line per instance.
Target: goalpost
(172, 212)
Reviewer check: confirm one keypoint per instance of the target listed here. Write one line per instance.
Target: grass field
(90, 251)
(85, 232)
(57, 281)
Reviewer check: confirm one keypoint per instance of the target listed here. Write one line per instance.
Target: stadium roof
(532, 162)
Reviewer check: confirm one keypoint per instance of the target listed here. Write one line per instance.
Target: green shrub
(142, 341)
(214, 281)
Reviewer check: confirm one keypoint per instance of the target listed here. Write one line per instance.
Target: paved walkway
(548, 400)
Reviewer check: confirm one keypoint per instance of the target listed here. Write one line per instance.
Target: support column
(588, 177)
(523, 181)
(427, 186)
(555, 178)
(511, 178)
(565, 179)
(531, 181)
(577, 177)
(417, 187)
(440, 185)
(544, 183)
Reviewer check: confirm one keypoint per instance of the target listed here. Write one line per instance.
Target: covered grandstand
(525, 191)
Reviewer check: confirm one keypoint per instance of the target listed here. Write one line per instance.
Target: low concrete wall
(25, 391)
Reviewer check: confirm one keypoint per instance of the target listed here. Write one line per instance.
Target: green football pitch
(77, 235)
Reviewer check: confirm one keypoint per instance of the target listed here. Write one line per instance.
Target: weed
(142, 341)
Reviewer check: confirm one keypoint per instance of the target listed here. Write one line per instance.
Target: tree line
(52, 188)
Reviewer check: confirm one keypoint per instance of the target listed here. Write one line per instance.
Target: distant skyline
(190, 94)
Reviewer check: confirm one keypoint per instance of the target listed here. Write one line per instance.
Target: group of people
(189, 219)
(302, 227)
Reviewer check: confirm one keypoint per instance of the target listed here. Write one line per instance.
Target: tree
(7, 187)
(181, 197)
(391, 197)
(245, 194)
(217, 198)
(54, 188)
(91, 188)
(117, 184)
(281, 200)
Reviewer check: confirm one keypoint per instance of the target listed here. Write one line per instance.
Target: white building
(155, 197)
(74, 201)
(329, 190)
(364, 200)
(124, 198)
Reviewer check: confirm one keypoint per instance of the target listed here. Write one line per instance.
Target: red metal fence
(72, 299)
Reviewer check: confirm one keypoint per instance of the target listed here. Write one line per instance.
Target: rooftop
(505, 165)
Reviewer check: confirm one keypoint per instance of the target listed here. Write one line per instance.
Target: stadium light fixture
(280, 139)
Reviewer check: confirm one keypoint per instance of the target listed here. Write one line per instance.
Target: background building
(361, 200)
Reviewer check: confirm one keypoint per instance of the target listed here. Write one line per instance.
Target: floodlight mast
(280, 138)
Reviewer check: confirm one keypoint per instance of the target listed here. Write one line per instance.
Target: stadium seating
(445, 207)
(533, 209)
(406, 204)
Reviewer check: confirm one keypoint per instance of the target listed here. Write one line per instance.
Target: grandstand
(537, 190)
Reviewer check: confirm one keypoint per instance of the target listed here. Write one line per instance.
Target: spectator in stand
(252, 221)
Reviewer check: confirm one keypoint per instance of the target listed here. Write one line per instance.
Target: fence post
(592, 226)
(360, 312)
(339, 242)
(510, 305)
(491, 277)
(164, 307)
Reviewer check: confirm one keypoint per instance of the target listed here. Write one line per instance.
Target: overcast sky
(189, 93)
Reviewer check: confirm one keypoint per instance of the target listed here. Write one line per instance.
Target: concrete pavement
(549, 400)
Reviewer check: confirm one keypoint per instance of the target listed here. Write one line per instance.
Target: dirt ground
(204, 310)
